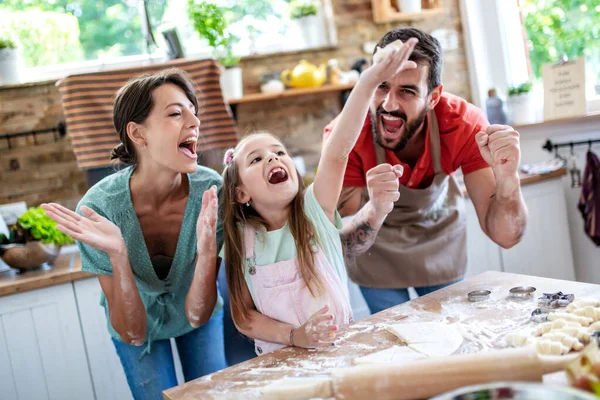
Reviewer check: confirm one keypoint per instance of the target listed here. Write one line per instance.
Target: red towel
(87, 104)
(589, 201)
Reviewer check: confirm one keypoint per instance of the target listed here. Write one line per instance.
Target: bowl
(516, 391)
(27, 256)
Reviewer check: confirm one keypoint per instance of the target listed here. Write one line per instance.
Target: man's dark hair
(427, 52)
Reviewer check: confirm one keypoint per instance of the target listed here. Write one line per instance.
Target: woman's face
(171, 130)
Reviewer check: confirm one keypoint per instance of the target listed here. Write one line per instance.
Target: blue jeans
(382, 299)
(201, 352)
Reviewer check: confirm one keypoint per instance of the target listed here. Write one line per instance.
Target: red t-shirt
(459, 122)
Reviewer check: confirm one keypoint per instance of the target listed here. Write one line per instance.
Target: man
(417, 132)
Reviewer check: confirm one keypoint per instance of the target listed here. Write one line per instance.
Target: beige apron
(423, 241)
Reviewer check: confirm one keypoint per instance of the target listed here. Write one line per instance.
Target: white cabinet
(545, 249)
(104, 365)
(42, 355)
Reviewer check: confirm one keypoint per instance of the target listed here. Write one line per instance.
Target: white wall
(586, 255)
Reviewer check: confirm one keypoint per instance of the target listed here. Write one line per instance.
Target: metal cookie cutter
(521, 292)
(479, 295)
(540, 314)
(554, 300)
(595, 337)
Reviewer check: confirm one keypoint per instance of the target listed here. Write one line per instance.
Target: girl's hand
(395, 62)
(91, 228)
(318, 331)
(206, 227)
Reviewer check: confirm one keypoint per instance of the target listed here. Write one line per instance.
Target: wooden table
(482, 324)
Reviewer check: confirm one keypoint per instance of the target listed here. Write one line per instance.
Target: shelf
(383, 12)
(591, 117)
(257, 97)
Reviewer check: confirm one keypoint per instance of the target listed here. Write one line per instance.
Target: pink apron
(280, 292)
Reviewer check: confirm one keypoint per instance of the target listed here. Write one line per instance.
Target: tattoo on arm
(359, 235)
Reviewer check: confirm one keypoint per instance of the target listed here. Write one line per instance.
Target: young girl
(284, 258)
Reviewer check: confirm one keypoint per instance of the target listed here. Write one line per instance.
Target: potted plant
(210, 22)
(520, 104)
(32, 241)
(9, 60)
(304, 24)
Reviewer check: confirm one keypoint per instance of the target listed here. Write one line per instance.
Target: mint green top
(164, 300)
(275, 246)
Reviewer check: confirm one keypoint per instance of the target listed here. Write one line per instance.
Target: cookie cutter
(479, 295)
(540, 314)
(521, 292)
(555, 300)
(595, 337)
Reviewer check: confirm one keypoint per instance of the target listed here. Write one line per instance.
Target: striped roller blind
(88, 103)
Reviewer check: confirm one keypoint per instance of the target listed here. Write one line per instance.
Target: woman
(150, 232)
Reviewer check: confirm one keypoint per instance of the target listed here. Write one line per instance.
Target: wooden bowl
(30, 255)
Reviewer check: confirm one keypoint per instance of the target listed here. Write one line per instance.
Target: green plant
(34, 224)
(210, 22)
(524, 87)
(302, 8)
(6, 43)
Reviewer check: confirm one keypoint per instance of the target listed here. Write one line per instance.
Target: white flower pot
(409, 6)
(521, 109)
(307, 32)
(231, 83)
(10, 66)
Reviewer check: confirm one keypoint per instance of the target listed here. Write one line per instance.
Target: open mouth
(188, 147)
(277, 175)
(392, 126)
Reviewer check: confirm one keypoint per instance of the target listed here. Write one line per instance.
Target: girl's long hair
(235, 215)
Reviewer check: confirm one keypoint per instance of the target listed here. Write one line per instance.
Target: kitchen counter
(67, 268)
(482, 324)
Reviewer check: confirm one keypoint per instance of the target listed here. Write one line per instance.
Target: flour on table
(299, 388)
(433, 339)
(394, 354)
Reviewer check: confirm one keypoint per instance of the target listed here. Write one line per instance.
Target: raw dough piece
(594, 327)
(584, 321)
(430, 338)
(571, 342)
(395, 354)
(549, 347)
(582, 303)
(299, 388)
(381, 53)
(518, 339)
(588, 311)
(579, 333)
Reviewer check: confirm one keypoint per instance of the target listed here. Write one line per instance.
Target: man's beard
(409, 128)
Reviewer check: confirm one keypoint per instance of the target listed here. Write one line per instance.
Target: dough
(584, 321)
(518, 339)
(582, 303)
(571, 342)
(433, 339)
(381, 53)
(299, 388)
(579, 333)
(588, 311)
(549, 347)
(556, 324)
(395, 354)
(594, 327)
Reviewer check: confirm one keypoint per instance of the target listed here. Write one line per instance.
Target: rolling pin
(427, 378)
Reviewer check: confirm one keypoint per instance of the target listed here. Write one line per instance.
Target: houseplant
(304, 24)
(210, 21)
(32, 241)
(520, 104)
(9, 59)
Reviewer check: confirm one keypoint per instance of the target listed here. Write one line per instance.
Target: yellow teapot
(304, 75)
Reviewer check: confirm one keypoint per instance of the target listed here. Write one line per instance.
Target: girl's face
(171, 130)
(268, 177)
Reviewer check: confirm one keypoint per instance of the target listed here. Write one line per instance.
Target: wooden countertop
(494, 317)
(67, 268)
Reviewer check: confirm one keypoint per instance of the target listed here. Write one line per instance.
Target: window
(58, 37)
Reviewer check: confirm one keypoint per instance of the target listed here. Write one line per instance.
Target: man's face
(399, 108)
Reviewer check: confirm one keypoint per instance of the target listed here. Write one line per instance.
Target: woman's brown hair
(134, 102)
(235, 215)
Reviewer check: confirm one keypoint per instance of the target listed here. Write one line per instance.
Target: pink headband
(228, 158)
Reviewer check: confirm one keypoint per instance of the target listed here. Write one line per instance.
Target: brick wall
(46, 170)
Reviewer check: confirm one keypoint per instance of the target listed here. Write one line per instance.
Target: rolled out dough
(394, 354)
(299, 388)
(433, 339)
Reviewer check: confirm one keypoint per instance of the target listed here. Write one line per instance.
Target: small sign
(564, 89)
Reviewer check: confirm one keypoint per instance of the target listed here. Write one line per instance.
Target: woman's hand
(206, 227)
(89, 228)
(318, 331)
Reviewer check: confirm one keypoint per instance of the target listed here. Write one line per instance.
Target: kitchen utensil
(305, 75)
(430, 377)
(521, 292)
(555, 300)
(479, 295)
(516, 391)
